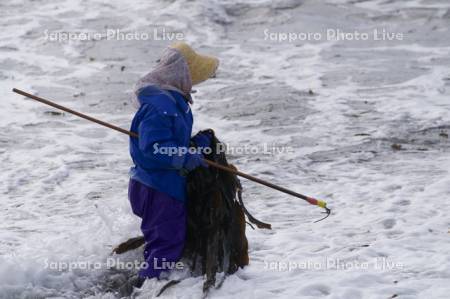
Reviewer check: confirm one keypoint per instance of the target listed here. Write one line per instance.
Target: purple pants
(163, 225)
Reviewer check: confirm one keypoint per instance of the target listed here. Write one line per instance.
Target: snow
(63, 182)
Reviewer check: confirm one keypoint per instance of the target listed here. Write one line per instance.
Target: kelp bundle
(215, 240)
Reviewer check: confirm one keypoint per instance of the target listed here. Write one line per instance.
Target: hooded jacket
(163, 121)
(164, 125)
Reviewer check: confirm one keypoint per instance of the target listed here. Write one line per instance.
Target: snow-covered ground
(368, 121)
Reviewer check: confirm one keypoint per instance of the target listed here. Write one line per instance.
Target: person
(157, 187)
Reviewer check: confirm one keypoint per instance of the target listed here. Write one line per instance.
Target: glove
(202, 138)
(193, 161)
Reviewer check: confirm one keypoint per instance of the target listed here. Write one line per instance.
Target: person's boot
(127, 288)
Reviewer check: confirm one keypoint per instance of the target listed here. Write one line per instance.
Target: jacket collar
(181, 101)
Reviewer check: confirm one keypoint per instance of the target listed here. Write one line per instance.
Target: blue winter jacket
(163, 121)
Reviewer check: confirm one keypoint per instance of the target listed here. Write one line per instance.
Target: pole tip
(17, 91)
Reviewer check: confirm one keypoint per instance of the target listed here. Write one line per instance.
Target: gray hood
(171, 73)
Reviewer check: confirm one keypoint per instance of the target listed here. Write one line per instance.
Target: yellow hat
(201, 67)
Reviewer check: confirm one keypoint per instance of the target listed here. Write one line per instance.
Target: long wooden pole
(310, 200)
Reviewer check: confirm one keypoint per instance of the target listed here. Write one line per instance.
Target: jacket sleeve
(157, 141)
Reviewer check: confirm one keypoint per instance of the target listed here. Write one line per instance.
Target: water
(368, 121)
